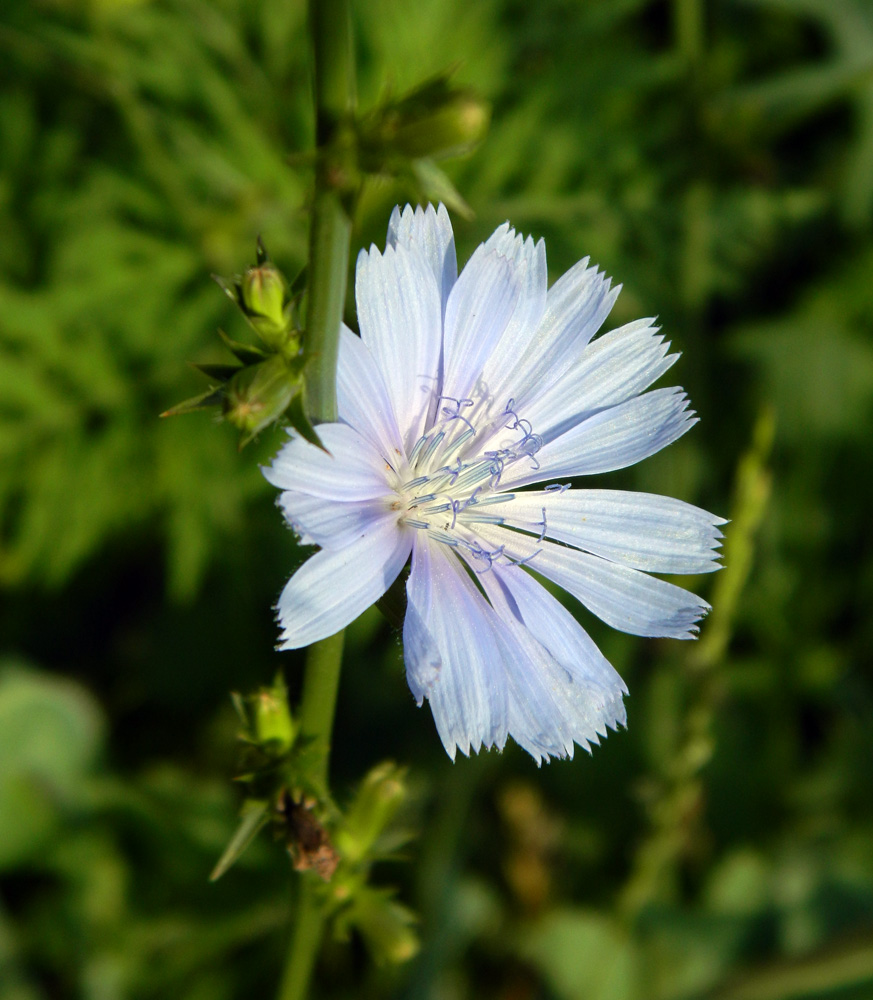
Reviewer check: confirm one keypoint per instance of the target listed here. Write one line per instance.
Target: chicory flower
(464, 406)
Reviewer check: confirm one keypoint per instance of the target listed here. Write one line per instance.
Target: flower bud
(263, 300)
(385, 926)
(379, 797)
(432, 122)
(259, 395)
(272, 722)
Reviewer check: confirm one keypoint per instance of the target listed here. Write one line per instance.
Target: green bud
(272, 720)
(432, 122)
(259, 395)
(380, 795)
(262, 297)
(385, 926)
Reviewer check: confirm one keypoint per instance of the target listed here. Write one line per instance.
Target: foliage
(716, 159)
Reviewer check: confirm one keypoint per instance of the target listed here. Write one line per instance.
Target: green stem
(305, 942)
(320, 686)
(329, 242)
(329, 246)
(330, 235)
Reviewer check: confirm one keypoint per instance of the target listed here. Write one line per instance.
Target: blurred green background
(716, 158)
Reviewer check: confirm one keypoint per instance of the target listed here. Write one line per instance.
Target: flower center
(453, 471)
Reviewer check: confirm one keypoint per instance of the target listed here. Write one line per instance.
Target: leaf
(254, 816)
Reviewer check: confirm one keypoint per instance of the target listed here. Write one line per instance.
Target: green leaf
(254, 816)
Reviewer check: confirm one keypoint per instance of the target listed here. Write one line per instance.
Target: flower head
(461, 397)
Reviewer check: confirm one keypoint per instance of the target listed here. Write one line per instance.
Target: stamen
(483, 519)
(556, 488)
(490, 557)
(460, 441)
(440, 509)
(419, 444)
(458, 404)
(543, 523)
(414, 483)
(453, 473)
(447, 539)
(432, 446)
(527, 559)
(494, 498)
(416, 524)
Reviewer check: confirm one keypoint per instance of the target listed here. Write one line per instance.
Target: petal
(451, 646)
(610, 439)
(362, 399)
(576, 307)
(353, 469)
(641, 530)
(430, 233)
(327, 523)
(477, 314)
(624, 598)
(499, 373)
(400, 317)
(615, 367)
(563, 691)
(333, 587)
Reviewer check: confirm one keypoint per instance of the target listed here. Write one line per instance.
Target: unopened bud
(273, 724)
(432, 122)
(260, 394)
(263, 300)
(385, 925)
(380, 795)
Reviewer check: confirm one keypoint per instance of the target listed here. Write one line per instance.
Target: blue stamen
(432, 446)
(441, 509)
(460, 441)
(483, 519)
(527, 559)
(413, 483)
(494, 498)
(453, 473)
(419, 444)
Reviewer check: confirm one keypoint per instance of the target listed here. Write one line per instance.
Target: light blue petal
(452, 651)
(400, 318)
(624, 598)
(613, 368)
(610, 439)
(562, 689)
(333, 587)
(351, 469)
(430, 233)
(652, 533)
(423, 659)
(327, 523)
(576, 307)
(500, 371)
(477, 314)
(362, 399)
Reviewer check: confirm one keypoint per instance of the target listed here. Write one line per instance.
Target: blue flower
(462, 393)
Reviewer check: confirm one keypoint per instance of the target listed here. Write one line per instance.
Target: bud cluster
(403, 136)
(263, 385)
